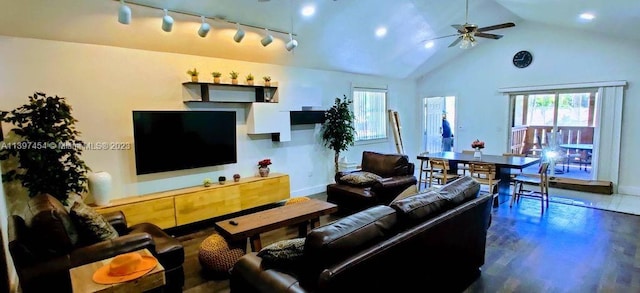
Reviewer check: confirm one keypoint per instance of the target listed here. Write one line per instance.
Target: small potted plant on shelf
(216, 76)
(194, 74)
(249, 79)
(207, 182)
(236, 177)
(263, 167)
(267, 80)
(234, 77)
(222, 179)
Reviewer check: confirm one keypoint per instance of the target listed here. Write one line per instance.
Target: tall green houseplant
(337, 130)
(49, 150)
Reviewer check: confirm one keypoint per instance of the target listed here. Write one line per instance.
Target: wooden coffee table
(251, 225)
(82, 278)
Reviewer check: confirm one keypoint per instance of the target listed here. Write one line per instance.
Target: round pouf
(296, 200)
(215, 254)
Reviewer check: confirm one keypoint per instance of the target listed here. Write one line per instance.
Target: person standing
(447, 135)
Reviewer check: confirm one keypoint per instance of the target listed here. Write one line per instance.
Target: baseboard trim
(629, 190)
(309, 190)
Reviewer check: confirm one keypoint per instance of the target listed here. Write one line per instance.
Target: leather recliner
(397, 174)
(44, 244)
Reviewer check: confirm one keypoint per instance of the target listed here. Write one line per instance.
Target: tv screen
(176, 140)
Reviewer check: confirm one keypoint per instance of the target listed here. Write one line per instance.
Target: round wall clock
(522, 59)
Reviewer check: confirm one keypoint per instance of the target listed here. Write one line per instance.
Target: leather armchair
(397, 174)
(44, 244)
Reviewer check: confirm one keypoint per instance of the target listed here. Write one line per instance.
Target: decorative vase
(477, 154)
(100, 186)
(234, 81)
(194, 78)
(216, 80)
(222, 179)
(267, 83)
(264, 171)
(250, 82)
(236, 177)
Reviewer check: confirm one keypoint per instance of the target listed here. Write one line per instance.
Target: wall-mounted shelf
(262, 93)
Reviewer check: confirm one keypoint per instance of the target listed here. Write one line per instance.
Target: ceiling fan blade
(495, 27)
(459, 27)
(489, 36)
(442, 37)
(456, 42)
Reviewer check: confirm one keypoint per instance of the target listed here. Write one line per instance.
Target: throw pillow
(420, 207)
(361, 178)
(92, 226)
(285, 254)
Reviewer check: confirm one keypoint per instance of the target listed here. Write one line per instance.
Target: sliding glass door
(558, 126)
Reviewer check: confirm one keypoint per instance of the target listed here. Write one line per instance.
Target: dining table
(504, 166)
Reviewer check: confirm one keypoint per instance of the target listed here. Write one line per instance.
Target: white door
(432, 126)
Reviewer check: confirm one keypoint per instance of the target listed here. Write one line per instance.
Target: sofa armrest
(110, 248)
(248, 275)
(394, 182)
(117, 220)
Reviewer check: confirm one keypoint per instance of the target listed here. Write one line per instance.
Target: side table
(82, 279)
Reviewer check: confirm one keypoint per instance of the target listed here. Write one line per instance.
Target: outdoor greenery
(49, 151)
(337, 131)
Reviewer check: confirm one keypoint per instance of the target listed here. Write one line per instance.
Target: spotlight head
(268, 38)
(292, 44)
(167, 22)
(239, 34)
(204, 28)
(124, 14)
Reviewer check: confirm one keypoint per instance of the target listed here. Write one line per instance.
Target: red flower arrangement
(264, 163)
(477, 144)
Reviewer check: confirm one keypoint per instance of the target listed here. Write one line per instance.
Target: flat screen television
(177, 140)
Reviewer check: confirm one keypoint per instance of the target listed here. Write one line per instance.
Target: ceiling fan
(468, 32)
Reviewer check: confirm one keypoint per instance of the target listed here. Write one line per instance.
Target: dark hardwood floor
(568, 249)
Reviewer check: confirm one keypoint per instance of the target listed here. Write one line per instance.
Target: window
(370, 113)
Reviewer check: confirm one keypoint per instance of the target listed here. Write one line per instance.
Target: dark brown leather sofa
(430, 242)
(44, 245)
(397, 174)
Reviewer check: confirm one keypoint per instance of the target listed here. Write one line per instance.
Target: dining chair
(485, 174)
(464, 167)
(423, 176)
(541, 179)
(439, 170)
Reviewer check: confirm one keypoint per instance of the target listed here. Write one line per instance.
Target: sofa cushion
(50, 226)
(92, 226)
(385, 165)
(419, 207)
(360, 178)
(409, 191)
(336, 241)
(460, 191)
(285, 254)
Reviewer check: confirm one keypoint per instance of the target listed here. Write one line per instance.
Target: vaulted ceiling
(340, 35)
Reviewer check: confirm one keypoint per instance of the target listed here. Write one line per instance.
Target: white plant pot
(100, 187)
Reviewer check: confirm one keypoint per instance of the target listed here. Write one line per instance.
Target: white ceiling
(340, 36)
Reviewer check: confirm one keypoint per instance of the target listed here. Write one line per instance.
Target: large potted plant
(48, 152)
(337, 130)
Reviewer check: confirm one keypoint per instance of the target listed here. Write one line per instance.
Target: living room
(99, 65)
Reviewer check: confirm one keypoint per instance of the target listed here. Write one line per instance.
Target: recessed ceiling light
(587, 16)
(308, 10)
(381, 32)
(429, 45)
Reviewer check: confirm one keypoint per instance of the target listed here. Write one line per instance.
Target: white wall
(561, 56)
(104, 84)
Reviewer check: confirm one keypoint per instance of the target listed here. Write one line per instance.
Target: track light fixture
(204, 28)
(124, 13)
(239, 34)
(292, 44)
(268, 38)
(167, 21)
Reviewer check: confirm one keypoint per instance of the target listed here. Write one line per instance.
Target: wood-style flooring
(567, 249)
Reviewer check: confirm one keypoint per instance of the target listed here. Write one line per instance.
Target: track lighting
(291, 44)
(124, 13)
(167, 21)
(239, 34)
(268, 38)
(204, 28)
